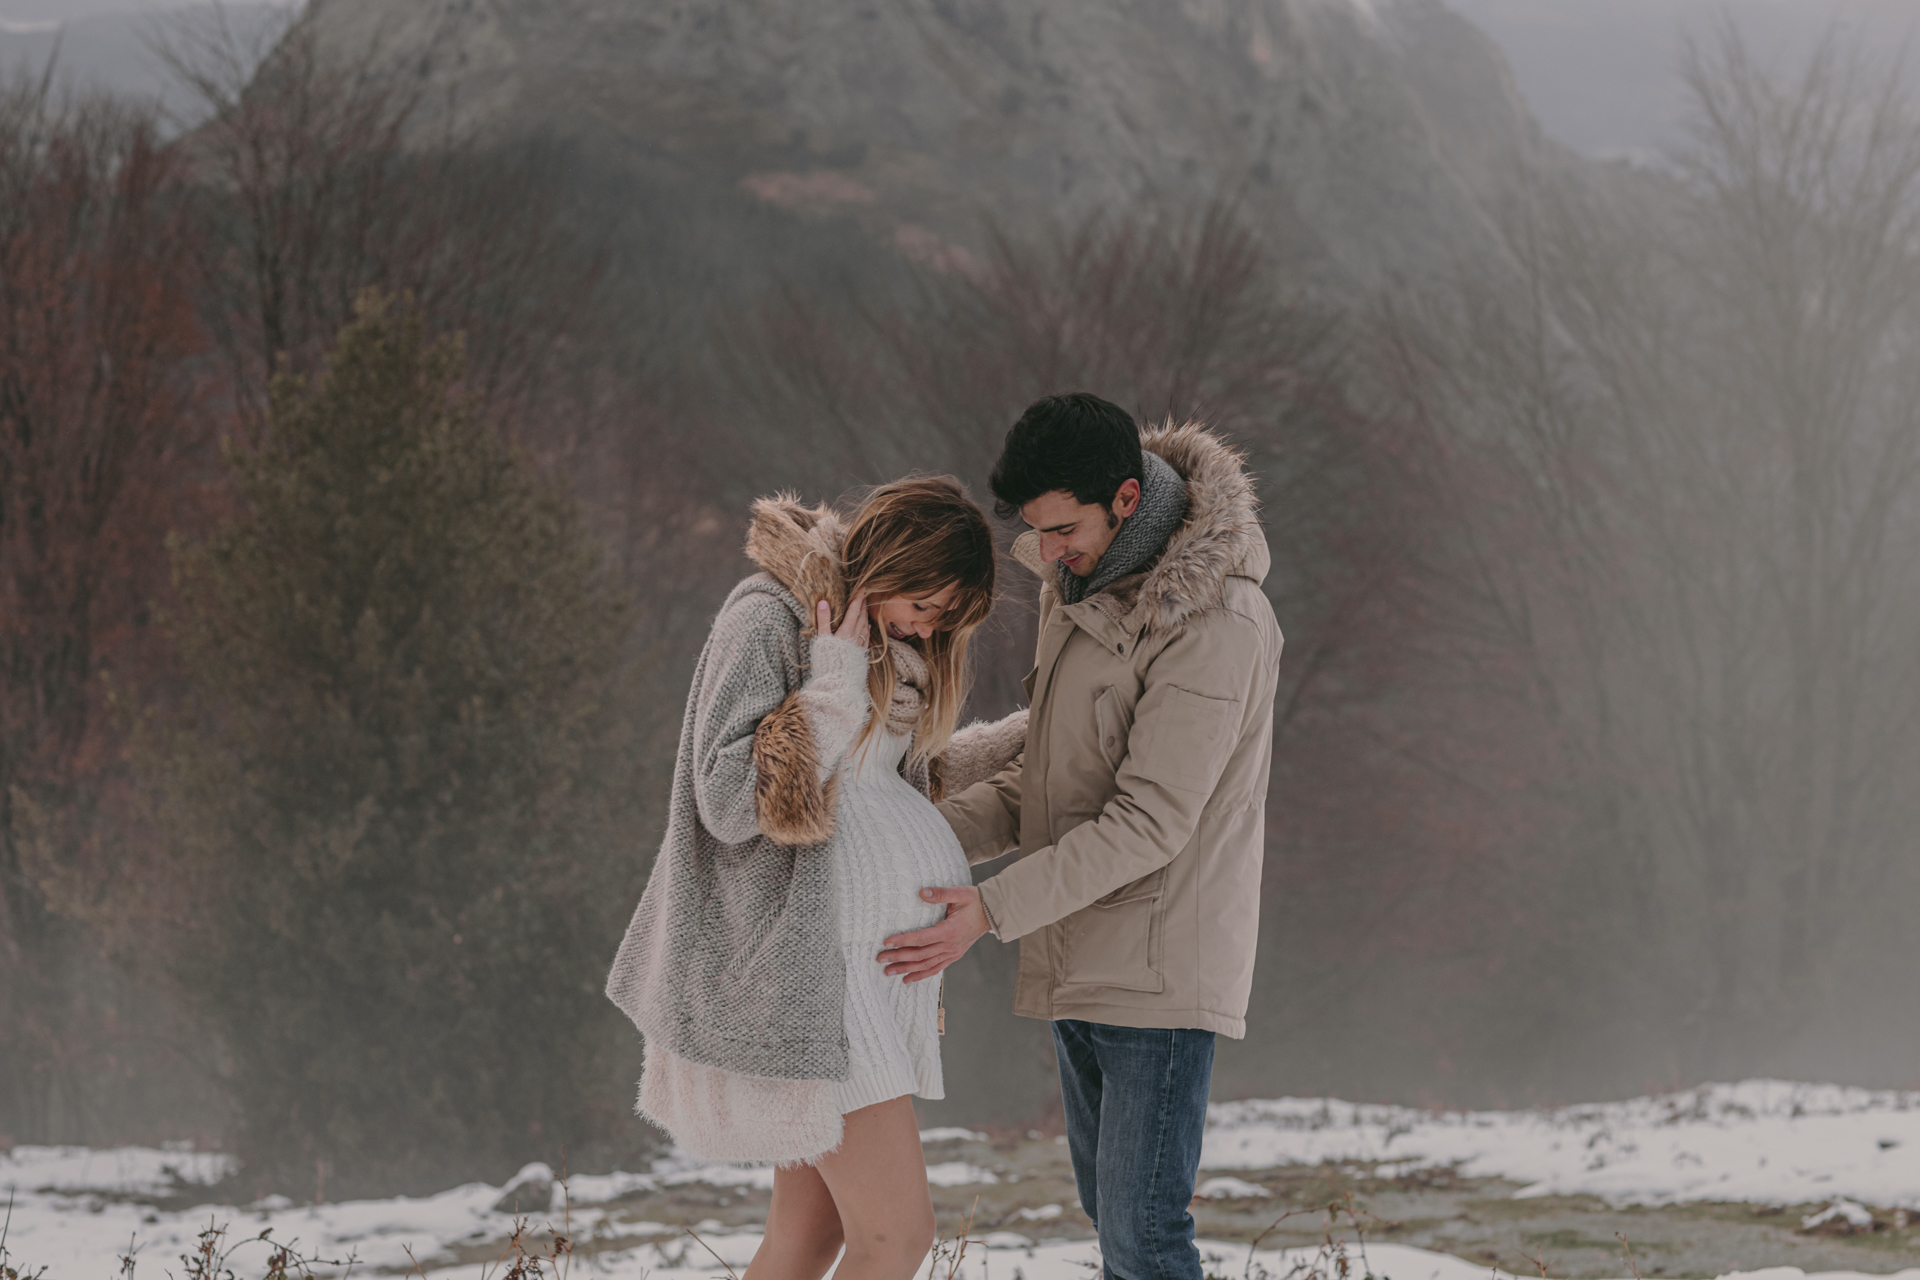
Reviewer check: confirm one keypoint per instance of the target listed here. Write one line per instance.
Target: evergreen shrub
(404, 798)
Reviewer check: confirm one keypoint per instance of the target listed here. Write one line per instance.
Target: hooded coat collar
(1220, 538)
(800, 548)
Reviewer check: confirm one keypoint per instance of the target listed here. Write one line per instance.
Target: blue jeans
(1136, 1102)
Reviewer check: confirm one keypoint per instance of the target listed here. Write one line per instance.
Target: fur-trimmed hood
(800, 548)
(1220, 538)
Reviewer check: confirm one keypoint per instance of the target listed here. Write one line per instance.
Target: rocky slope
(1366, 136)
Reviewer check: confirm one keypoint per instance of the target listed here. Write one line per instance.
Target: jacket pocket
(1112, 723)
(1192, 737)
(1149, 885)
(1116, 942)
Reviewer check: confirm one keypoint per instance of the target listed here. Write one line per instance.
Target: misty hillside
(1364, 138)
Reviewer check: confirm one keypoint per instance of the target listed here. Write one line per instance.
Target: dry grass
(9, 1270)
(952, 1253)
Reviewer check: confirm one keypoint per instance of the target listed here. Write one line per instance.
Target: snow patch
(958, 1173)
(1761, 1140)
(1230, 1189)
(1841, 1210)
(122, 1171)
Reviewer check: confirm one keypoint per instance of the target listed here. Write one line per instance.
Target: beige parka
(1138, 807)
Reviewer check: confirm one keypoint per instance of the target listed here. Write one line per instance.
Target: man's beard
(1113, 522)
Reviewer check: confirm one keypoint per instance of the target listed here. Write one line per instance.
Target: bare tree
(1171, 313)
(322, 178)
(100, 448)
(1681, 441)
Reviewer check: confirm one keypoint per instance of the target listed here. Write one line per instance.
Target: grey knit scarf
(911, 682)
(1163, 505)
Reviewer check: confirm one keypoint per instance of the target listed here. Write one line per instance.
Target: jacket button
(1111, 741)
(1119, 648)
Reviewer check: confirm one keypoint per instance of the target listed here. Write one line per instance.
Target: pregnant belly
(891, 847)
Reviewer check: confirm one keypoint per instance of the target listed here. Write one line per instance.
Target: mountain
(1367, 137)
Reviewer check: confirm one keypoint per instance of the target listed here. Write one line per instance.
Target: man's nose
(1051, 547)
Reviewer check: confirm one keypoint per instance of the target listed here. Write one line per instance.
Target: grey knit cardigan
(732, 959)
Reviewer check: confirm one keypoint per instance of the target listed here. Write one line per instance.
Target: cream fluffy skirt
(721, 1115)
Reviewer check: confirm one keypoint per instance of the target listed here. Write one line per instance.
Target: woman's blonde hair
(912, 538)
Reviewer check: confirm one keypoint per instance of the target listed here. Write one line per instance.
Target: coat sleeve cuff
(981, 750)
(993, 926)
(1002, 912)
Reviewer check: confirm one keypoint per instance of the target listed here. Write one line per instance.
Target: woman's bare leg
(803, 1229)
(878, 1180)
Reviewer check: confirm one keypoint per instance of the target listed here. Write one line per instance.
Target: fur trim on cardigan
(800, 547)
(793, 805)
(1221, 530)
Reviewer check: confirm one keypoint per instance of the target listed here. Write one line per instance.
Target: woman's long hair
(911, 538)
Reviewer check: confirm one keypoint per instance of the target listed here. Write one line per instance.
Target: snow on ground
(1763, 1140)
(1073, 1260)
(1006, 1253)
(126, 1170)
(76, 1212)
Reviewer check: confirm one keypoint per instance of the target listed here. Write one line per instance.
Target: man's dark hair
(1080, 443)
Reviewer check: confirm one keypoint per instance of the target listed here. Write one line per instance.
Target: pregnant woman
(818, 734)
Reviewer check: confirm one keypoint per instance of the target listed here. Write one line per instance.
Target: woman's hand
(852, 628)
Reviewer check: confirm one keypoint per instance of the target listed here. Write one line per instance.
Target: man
(1138, 805)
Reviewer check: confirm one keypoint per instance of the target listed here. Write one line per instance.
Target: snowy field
(1764, 1140)
(78, 1212)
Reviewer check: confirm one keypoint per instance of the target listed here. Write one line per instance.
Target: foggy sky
(1600, 74)
(24, 11)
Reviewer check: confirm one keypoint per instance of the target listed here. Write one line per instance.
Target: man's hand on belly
(925, 952)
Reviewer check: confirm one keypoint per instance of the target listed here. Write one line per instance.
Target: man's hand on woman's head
(925, 952)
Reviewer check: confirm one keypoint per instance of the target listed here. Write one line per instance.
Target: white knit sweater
(890, 843)
(893, 843)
